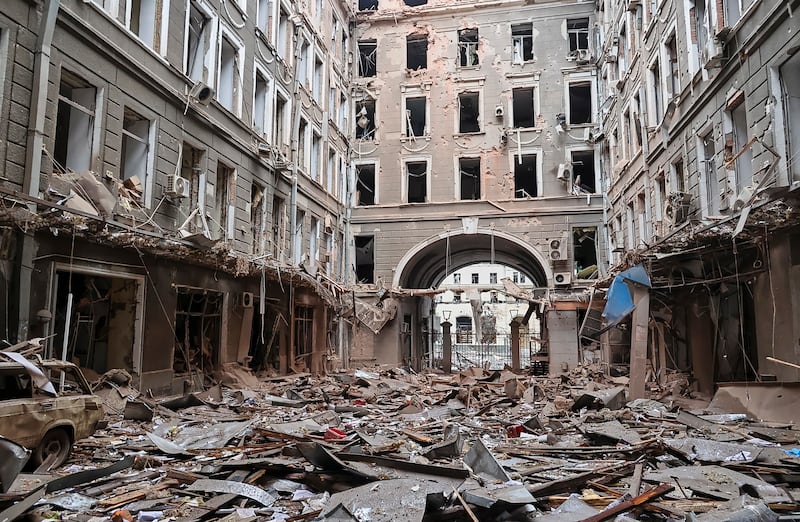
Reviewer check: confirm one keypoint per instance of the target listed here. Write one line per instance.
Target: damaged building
(699, 109)
(474, 143)
(173, 182)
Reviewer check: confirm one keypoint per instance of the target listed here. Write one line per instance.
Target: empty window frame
(313, 240)
(578, 33)
(261, 103)
(415, 3)
(417, 181)
(316, 151)
(469, 175)
(456, 279)
(201, 29)
(475, 278)
(523, 107)
(580, 102)
(319, 79)
(193, 168)
(280, 122)
(736, 140)
(297, 237)
(304, 63)
(229, 80)
(136, 138)
(417, 51)
(365, 179)
(278, 227)
(583, 171)
(584, 251)
(146, 19)
(706, 166)
(75, 123)
(284, 34)
(468, 47)
(258, 219)
(265, 16)
(493, 278)
(672, 72)
(416, 109)
(222, 218)
(367, 58)
(304, 331)
(367, 5)
(198, 326)
(655, 93)
(302, 144)
(786, 88)
(365, 119)
(526, 183)
(522, 42)
(469, 112)
(365, 259)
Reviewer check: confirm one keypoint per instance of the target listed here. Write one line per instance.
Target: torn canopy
(619, 302)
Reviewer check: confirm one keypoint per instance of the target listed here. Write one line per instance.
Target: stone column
(447, 347)
(639, 331)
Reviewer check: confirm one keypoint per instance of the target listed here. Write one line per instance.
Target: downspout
(293, 154)
(33, 153)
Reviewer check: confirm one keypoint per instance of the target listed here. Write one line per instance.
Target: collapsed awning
(619, 301)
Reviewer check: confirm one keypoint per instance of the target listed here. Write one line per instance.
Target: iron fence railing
(468, 351)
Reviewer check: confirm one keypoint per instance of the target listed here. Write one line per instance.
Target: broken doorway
(103, 331)
(198, 318)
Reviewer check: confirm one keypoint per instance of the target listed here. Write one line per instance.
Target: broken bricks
(391, 445)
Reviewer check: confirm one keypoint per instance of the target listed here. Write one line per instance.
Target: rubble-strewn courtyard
(391, 444)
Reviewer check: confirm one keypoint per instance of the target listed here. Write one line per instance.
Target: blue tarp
(619, 302)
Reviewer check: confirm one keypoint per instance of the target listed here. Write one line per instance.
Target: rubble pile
(390, 444)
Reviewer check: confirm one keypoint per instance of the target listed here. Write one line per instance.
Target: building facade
(699, 110)
(173, 182)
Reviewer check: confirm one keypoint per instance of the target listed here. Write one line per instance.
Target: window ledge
(468, 134)
(408, 139)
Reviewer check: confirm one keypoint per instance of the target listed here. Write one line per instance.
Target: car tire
(56, 445)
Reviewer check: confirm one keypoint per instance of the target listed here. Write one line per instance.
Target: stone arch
(423, 266)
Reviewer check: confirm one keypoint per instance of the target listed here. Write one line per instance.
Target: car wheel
(54, 448)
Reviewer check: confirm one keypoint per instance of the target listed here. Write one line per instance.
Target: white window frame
(377, 164)
(481, 115)
(526, 151)
(570, 149)
(163, 30)
(97, 116)
(318, 83)
(265, 12)
(666, 72)
(581, 78)
(284, 46)
(287, 114)
(266, 132)
(457, 174)
(654, 118)
(537, 110)
(238, 69)
(405, 160)
(152, 137)
(315, 164)
(209, 57)
(426, 132)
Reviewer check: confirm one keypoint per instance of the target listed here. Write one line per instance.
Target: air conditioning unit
(558, 249)
(498, 111)
(564, 171)
(177, 186)
(677, 208)
(583, 56)
(201, 93)
(247, 299)
(562, 278)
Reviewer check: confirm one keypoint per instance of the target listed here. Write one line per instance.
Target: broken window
(654, 86)
(199, 46)
(417, 178)
(470, 177)
(367, 58)
(415, 3)
(584, 253)
(145, 21)
(367, 5)
(278, 227)
(708, 173)
(468, 47)
(522, 42)
(260, 100)
(523, 107)
(192, 165)
(313, 240)
(365, 259)
(583, 171)
(580, 103)
(475, 278)
(736, 141)
(257, 219)
(316, 150)
(365, 192)
(365, 120)
(789, 88)
(417, 51)
(416, 113)
(578, 33)
(75, 123)
(302, 65)
(297, 237)
(469, 112)
(197, 330)
(525, 177)
(222, 205)
(228, 86)
(135, 158)
(304, 332)
(319, 79)
(279, 125)
(673, 74)
(284, 34)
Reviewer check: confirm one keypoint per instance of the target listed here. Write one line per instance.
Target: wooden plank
(645, 497)
(636, 481)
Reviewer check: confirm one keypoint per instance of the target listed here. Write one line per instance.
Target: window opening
(367, 5)
(135, 146)
(221, 191)
(145, 21)
(469, 112)
(228, 87)
(470, 175)
(583, 172)
(578, 32)
(278, 227)
(75, 123)
(525, 182)
(475, 278)
(365, 120)
(257, 225)
(365, 192)
(584, 253)
(468, 47)
(417, 51)
(367, 58)
(416, 109)
(198, 44)
(522, 42)
(415, 3)
(365, 259)
(493, 278)
(197, 330)
(580, 103)
(260, 97)
(417, 173)
(316, 150)
(304, 331)
(708, 168)
(523, 107)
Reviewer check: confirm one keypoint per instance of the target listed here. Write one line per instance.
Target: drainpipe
(33, 159)
(295, 140)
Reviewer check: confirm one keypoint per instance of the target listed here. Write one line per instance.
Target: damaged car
(45, 406)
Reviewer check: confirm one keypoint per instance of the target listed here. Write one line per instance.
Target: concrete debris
(388, 444)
